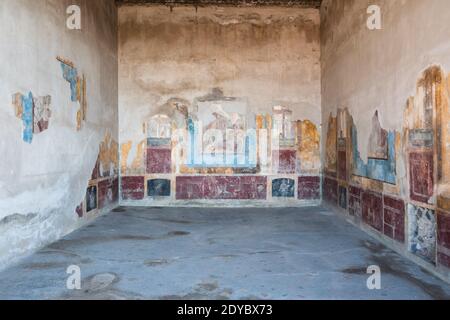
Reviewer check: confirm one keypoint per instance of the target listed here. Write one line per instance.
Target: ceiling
(284, 3)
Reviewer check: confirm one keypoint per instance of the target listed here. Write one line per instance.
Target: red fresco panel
(287, 161)
(443, 238)
(372, 210)
(133, 188)
(189, 188)
(354, 201)
(443, 229)
(330, 187)
(394, 218)
(443, 259)
(421, 176)
(342, 165)
(221, 188)
(159, 160)
(308, 188)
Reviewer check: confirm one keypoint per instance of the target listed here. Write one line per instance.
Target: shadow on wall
(413, 210)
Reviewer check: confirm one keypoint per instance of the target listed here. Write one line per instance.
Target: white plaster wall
(42, 183)
(265, 55)
(367, 70)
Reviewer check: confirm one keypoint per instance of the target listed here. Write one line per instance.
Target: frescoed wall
(58, 115)
(210, 115)
(386, 140)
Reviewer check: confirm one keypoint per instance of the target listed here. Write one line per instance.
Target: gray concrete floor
(178, 253)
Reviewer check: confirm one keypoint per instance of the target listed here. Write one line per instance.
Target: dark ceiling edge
(224, 3)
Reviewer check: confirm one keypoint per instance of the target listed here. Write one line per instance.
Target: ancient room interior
(225, 150)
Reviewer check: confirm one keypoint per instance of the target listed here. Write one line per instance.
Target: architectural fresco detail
(411, 208)
(35, 113)
(217, 147)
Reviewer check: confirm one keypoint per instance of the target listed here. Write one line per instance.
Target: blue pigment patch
(283, 188)
(70, 74)
(27, 117)
(376, 169)
(158, 188)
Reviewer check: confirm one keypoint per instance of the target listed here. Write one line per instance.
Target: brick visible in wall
(309, 188)
(394, 218)
(159, 160)
(330, 190)
(221, 188)
(133, 188)
(372, 210)
(354, 201)
(421, 176)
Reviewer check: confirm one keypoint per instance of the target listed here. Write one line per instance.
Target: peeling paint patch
(35, 113)
(77, 88)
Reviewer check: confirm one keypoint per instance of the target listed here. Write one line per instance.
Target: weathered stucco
(183, 64)
(389, 89)
(49, 151)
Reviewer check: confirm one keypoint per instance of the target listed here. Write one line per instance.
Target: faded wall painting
(382, 168)
(103, 190)
(402, 208)
(215, 147)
